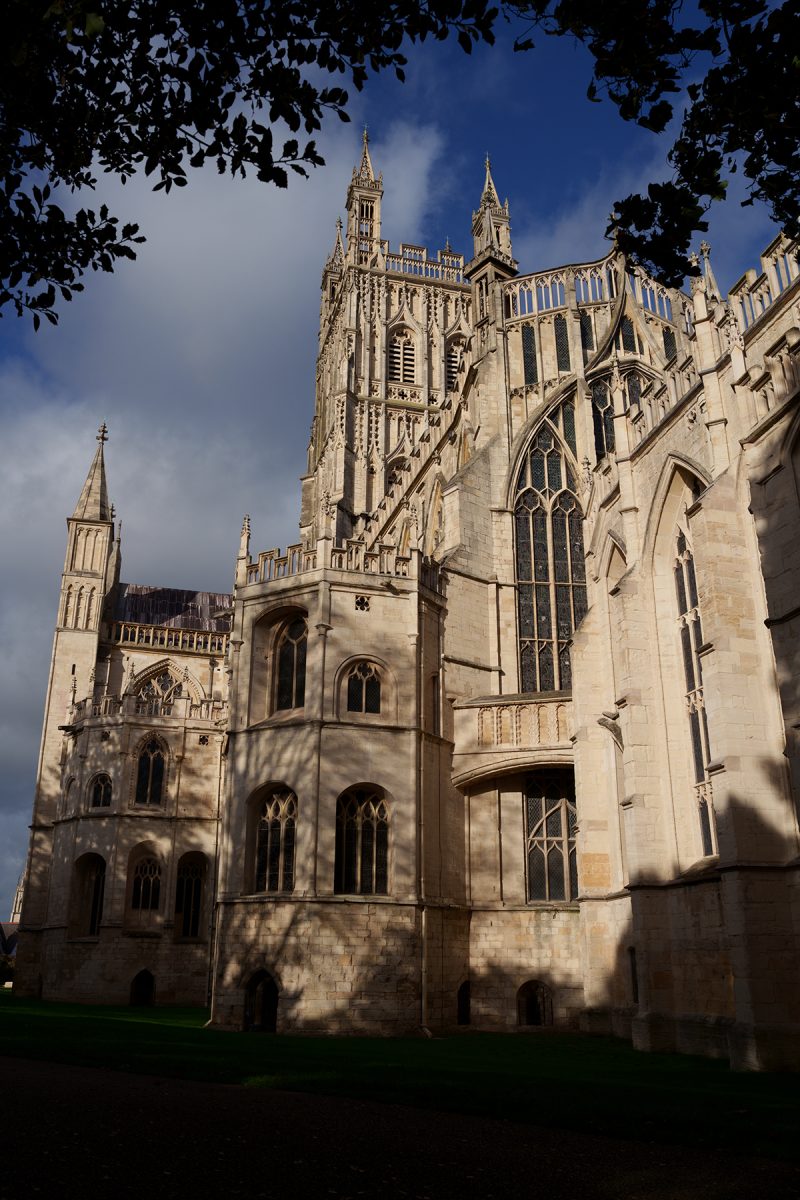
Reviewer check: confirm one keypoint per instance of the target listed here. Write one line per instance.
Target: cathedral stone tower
(509, 737)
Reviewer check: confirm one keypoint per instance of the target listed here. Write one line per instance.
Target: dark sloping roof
(174, 607)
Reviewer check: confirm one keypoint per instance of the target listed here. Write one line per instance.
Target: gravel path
(80, 1132)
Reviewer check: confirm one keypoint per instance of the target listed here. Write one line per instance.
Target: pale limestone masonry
(554, 518)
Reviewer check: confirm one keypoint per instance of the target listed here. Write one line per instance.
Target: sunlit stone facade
(510, 736)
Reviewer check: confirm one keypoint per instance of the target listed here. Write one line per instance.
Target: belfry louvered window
(402, 359)
(550, 828)
(275, 839)
(691, 635)
(452, 362)
(603, 418)
(551, 579)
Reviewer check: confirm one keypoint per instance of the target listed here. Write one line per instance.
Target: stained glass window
(364, 689)
(157, 695)
(291, 659)
(628, 335)
(551, 579)
(562, 342)
(529, 367)
(690, 633)
(550, 828)
(361, 865)
(275, 841)
(670, 345)
(150, 774)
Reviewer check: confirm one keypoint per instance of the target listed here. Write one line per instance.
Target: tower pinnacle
(93, 501)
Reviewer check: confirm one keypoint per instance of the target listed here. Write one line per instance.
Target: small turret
(491, 228)
(364, 210)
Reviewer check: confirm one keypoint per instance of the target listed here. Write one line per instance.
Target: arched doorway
(534, 1004)
(463, 1003)
(261, 1004)
(143, 989)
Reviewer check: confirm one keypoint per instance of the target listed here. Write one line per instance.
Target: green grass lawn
(593, 1084)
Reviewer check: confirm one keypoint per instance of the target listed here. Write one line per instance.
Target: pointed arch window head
(364, 689)
(603, 419)
(100, 793)
(551, 577)
(146, 890)
(691, 637)
(157, 695)
(292, 642)
(275, 842)
(402, 357)
(150, 774)
(550, 828)
(361, 866)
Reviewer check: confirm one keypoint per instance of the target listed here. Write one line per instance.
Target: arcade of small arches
(146, 906)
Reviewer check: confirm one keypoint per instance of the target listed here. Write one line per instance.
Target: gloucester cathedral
(511, 736)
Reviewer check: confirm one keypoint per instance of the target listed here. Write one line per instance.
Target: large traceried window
(156, 697)
(364, 689)
(150, 774)
(361, 864)
(550, 827)
(691, 635)
(551, 579)
(275, 839)
(291, 664)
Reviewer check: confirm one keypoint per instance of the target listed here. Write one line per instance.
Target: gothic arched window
(550, 826)
(452, 361)
(150, 774)
(603, 419)
(362, 844)
(691, 635)
(291, 664)
(157, 695)
(189, 895)
(275, 843)
(146, 889)
(551, 580)
(100, 792)
(364, 689)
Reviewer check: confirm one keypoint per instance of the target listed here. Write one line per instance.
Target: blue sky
(200, 356)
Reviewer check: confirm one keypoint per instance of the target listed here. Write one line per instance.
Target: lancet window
(670, 345)
(89, 882)
(551, 578)
(587, 334)
(562, 342)
(157, 695)
(550, 828)
(150, 774)
(291, 664)
(529, 365)
(361, 865)
(452, 362)
(364, 689)
(691, 635)
(275, 839)
(402, 358)
(603, 418)
(100, 792)
(189, 895)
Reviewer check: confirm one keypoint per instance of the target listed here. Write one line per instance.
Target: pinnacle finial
(366, 136)
(102, 433)
(339, 224)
